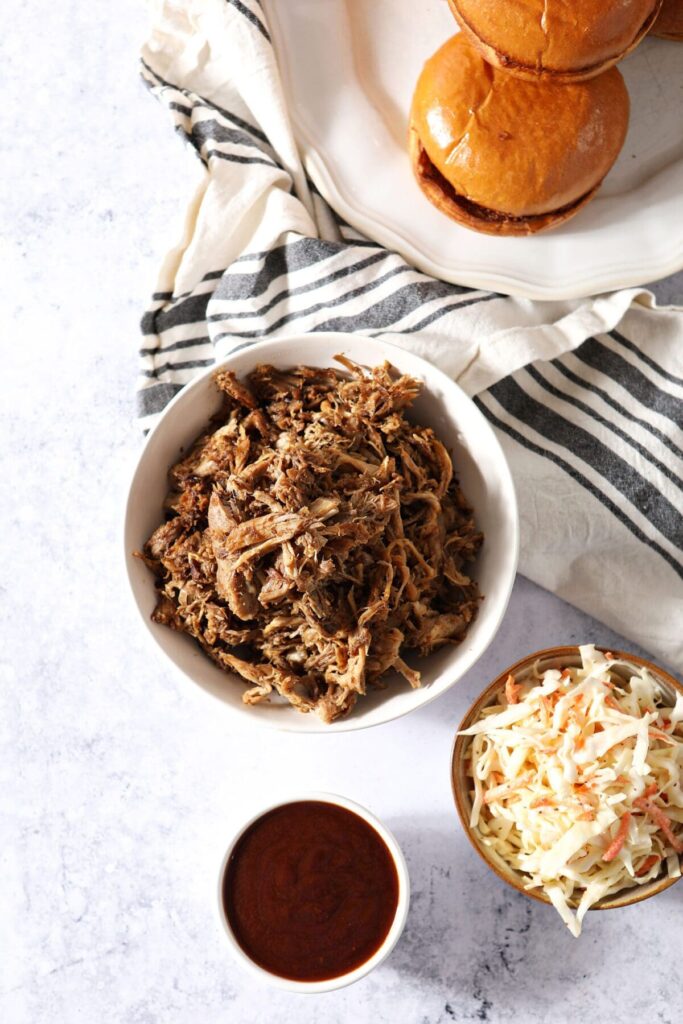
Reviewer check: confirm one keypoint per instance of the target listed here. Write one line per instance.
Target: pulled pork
(314, 535)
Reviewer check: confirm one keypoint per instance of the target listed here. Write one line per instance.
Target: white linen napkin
(586, 396)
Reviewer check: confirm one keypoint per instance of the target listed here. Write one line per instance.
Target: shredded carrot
(550, 700)
(611, 703)
(657, 735)
(610, 656)
(651, 790)
(512, 690)
(661, 821)
(586, 816)
(542, 801)
(647, 864)
(565, 673)
(619, 839)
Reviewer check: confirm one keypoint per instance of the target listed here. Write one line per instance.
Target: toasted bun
(508, 156)
(555, 39)
(471, 215)
(669, 24)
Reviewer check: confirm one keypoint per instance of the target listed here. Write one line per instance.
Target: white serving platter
(349, 68)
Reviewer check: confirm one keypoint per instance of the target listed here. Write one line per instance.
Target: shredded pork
(314, 536)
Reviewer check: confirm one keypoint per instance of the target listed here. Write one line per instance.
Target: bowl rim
(625, 897)
(395, 930)
(272, 346)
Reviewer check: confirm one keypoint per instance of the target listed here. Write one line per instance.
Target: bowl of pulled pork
(322, 532)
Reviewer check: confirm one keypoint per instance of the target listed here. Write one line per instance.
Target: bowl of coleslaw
(567, 776)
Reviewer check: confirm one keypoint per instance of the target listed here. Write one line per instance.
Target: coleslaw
(576, 778)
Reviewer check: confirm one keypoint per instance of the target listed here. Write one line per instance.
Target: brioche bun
(506, 156)
(554, 40)
(669, 24)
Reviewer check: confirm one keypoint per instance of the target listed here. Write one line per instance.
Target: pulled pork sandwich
(510, 157)
(314, 536)
(669, 24)
(552, 40)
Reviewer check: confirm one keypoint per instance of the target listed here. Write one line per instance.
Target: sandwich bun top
(555, 38)
(521, 148)
(669, 24)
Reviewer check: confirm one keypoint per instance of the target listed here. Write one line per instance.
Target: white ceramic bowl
(393, 935)
(483, 474)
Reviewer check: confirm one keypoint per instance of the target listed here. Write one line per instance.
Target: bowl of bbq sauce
(313, 894)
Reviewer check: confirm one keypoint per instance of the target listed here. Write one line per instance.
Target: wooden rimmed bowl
(558, 658)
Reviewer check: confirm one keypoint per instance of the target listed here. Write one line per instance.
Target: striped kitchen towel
(586, 396)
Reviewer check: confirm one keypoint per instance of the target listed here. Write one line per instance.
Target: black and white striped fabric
(586, 396)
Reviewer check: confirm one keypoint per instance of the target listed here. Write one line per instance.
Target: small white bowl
(483, 474)
(393, 935)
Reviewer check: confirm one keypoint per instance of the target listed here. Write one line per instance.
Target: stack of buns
(517, 119)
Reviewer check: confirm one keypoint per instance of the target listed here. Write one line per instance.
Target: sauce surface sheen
(310, 891)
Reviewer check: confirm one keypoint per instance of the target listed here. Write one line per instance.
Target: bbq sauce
(310, 891)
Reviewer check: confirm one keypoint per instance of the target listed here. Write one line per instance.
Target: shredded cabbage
(576, 780)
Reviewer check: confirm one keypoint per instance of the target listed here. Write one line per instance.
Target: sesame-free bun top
(669, 24)
(521, 148)
(561, 39)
